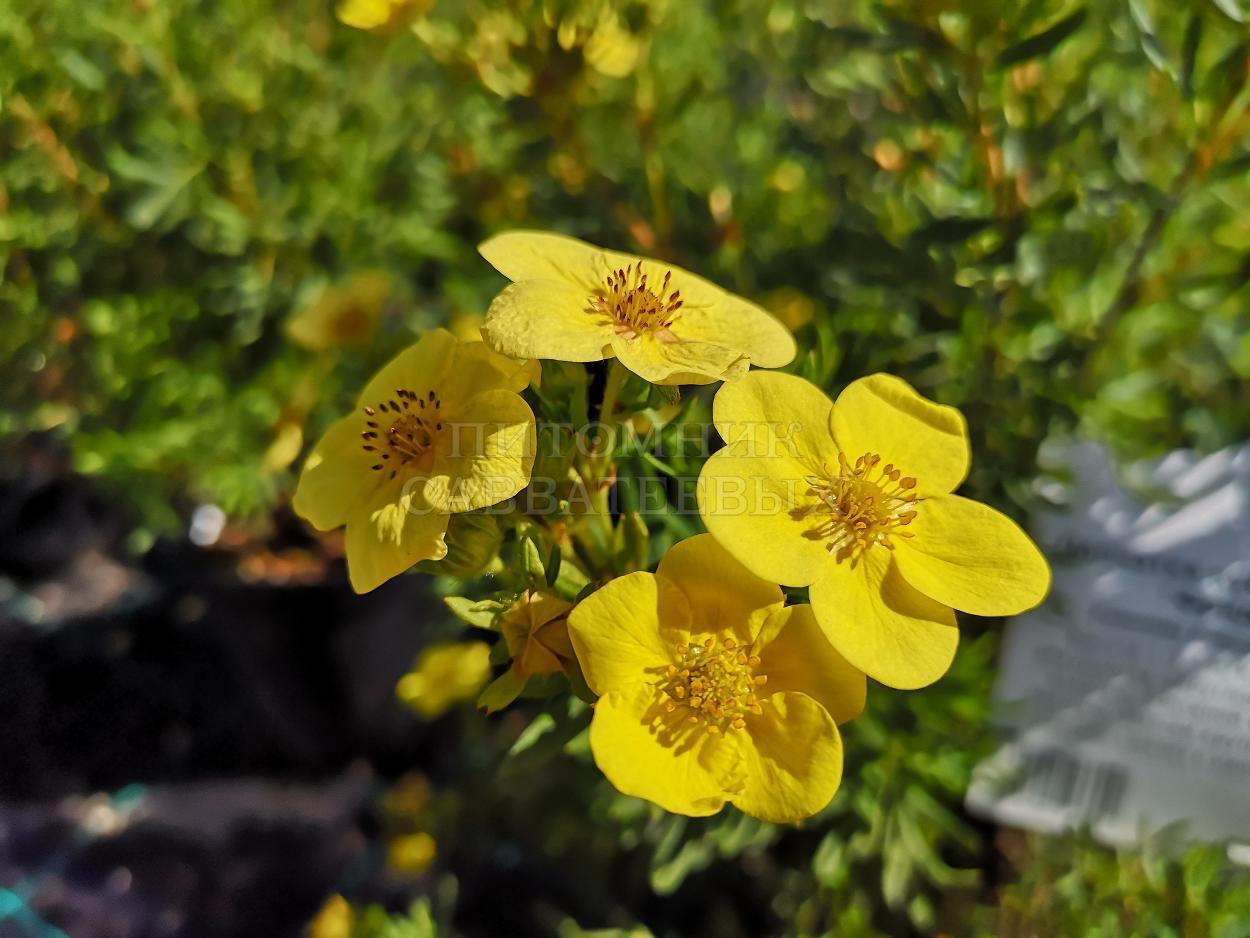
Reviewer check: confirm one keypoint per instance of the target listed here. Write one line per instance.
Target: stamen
(715, 684)
(633, 307)
(402, 434)
(861, 506)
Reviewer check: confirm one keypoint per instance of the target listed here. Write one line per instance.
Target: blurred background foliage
(216, 218)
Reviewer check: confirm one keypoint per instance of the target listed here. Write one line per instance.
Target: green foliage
(1074, 888)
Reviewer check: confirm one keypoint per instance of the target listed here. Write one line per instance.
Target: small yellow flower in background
(378, 14)
(712, 690)
(612, 50)
(571, 301)
(411, 853)
(341, 314)
(445, 673)
(853, 499)
(335, 920)
(439, 430)
(536, 631)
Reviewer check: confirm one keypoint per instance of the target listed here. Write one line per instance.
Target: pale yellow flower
(572, 301)
(378, 14)
(341, 314)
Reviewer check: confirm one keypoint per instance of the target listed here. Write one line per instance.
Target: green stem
(612, 393)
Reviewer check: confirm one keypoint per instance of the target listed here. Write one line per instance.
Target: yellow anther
(713, 681)
(860, 506)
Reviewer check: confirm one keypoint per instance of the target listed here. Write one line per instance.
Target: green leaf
(554, 562)
(1189, 53)
(502, 691)
(1044, 42)
(539, 727)
(479, 613)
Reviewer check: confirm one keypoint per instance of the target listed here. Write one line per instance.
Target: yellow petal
(488, 455)
(419, 368)
(969, 556)
(795, 655)
(612, 50)
(648, 753)
(882, 625)
(336, 477)
(476, 367)
(546, 319)
(752, 506)
(790, 760)
(620, 631)
(680, 361)
(540, 255)
(393, 530)
(882, 414)
(724, 596)
(779, 415)
(746, 326)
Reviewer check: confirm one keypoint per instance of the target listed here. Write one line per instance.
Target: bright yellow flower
(712, 690)
(446, 672)
(574, 302)
(439, 430)
(853, 499)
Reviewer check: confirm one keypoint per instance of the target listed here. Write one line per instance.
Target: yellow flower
(441, 429)
(536, 631)
(412, 853)
(378, 14)
(341, 314)
(574, 302)
(335, 920)
(712, 690)
(445, 673)
(853, 499)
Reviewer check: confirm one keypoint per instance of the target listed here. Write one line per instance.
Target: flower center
(716, 685)
(399, 432)
(634, 307)
(862, 505)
